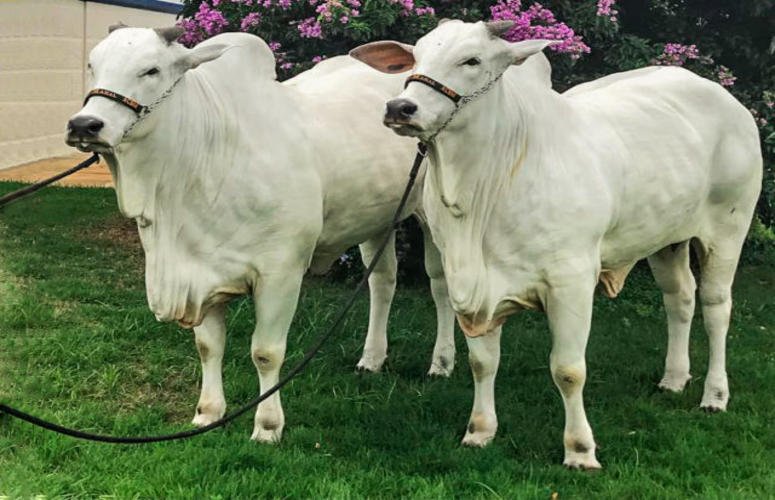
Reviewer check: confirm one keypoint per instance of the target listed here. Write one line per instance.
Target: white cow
(534, 198)
(239, 184)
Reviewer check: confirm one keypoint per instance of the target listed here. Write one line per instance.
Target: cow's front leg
(275, 301)
(210, 339)
(382, 287)
(484, 355)
(569, 310)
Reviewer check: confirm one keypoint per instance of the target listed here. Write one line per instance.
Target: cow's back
(680, 150)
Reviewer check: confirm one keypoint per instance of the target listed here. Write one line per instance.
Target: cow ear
(498, 28)
(117, 26)
(203, 53)
(386, 56)
(526, 48)
(170, 34)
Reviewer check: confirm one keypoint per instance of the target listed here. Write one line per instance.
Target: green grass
(79, 346)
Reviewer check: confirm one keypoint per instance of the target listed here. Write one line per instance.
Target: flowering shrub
(538, 22)
(322, 25)
(676, 54)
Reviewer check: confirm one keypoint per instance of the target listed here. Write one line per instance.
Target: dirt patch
(95, 176)
(118, 230)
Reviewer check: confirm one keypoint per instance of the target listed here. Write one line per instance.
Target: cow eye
(474, 61)
(151, 72)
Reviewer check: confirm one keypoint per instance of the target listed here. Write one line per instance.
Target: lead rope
(422, 151)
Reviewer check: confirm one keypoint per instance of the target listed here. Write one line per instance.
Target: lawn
(79, 346)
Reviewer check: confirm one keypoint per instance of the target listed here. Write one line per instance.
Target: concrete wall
(44, 45)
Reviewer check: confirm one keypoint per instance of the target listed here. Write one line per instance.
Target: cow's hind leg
(484, 355)
(210, 340)
(382, 287)
(673, 275)
(718, 262)
(275, 301)
(443, 360)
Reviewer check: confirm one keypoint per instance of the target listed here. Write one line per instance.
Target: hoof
(206, 414)
(589, 464)
(714, 400)
(269, 436)
(204, 419)
(477, 439)
(674, 384)
(441, 368)
(368, 364)
(480, 431)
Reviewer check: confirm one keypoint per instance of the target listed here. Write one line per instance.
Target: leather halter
(435, 85)
(114, 96)
(458, 99)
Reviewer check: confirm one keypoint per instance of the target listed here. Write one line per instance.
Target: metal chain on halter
(463, 101)
(150, 107)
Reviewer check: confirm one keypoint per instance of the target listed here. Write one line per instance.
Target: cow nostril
(85, 125)
(401, 109)
(408, 109)
(95, 126)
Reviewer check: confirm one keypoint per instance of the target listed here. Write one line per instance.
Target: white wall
(44, 45)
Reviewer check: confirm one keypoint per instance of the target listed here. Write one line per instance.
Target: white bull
(239, 184)
(534, 198)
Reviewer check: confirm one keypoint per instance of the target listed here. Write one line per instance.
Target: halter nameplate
(438, 86)
(113, 96)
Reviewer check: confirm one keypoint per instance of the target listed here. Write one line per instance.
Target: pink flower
(538, 22)
(251, 19)
(310, 28)
(676, 54)
(725, 76)
(605, 8)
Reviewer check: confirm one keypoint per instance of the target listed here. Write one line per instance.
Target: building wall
(44, 46)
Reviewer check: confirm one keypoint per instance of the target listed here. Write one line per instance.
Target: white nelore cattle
(534, 198)
(239, 184)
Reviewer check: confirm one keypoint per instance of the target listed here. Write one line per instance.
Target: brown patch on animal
(471, 427)
(579, 447)
(270, 425)
(204, 351)
(568, 378)
(719, 395)
(476, 368)
(260, 358)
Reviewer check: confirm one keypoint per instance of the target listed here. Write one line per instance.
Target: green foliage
(79, 346)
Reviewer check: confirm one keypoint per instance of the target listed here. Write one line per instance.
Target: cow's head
(137, 63)
(463, 56)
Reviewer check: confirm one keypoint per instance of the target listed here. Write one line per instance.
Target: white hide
(240, 184)
(533, 197)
